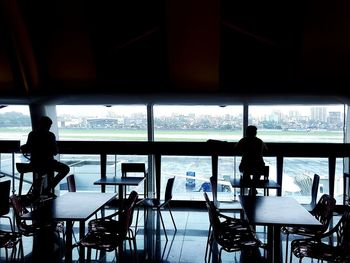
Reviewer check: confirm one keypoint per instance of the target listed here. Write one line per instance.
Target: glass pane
(191, 176)
(140, 189)
(15, 123)
(86, 170)
(197, 123)
(102, 123)
(293, 123)
(298, 175)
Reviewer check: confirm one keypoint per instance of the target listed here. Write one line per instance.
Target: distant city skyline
(167, 110)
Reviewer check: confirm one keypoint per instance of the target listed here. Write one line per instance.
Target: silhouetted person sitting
(42, 147)
(252, 149)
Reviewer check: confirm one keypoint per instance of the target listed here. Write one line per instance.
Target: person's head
(251, 131)
(45, 123)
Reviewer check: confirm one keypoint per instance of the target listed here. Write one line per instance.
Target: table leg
(81, 234)
(69, 233)
(274, 244)
(277, 257)
(269, 244)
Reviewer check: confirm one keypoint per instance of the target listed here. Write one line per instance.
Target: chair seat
(319, 250)
(150, 202)
(300, 231)
(104, 225)
(9, 239)
(102, 240)
(234, 205)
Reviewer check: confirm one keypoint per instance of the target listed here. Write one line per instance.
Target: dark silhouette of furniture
(41, 225)
(71, 185)
(9, 239)
(5, 187)
(133, 169)
(158, 205)
(39, 180)
(71, 207)
(257, 177)
(314, 192)
(323, 212)
(276, 212)
(233, 206)
(332, 246)
(108, 234)
(230, 233)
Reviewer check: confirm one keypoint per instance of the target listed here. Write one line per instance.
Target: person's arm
(27, 147)
(54, 147)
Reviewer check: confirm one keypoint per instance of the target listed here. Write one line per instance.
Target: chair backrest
(314, 189)
(323, 211)
(133, 168)
(126, 216)
(343, 231)
(346, 189)
(19, 210)
(71, 183)
(214, 189)
(5, 187)
(169, 189)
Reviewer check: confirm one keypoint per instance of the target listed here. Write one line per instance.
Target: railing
(213, 149)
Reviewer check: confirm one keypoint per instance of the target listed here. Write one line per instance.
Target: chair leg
(161, 219)
(137, 220)
(287, 235)
(88, 256)
(207, 247)
(172, 218)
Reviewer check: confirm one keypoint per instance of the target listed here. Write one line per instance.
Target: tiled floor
(186, 245)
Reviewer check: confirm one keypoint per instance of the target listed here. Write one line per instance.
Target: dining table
(71, 207)
(264, 184)
(275, 212)
(121, 182)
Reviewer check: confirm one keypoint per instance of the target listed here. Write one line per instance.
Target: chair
(5, 187)
(35, 190)
(8, 238)
(335, 250)
(134, 168)
(323, 212)
(156, 204)
(224, 206)
(35, 227)
(71, 185)
(314, 191)
(229, 233)
(109, 234)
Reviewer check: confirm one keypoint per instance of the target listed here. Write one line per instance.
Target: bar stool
(258, 177)
(40, 179)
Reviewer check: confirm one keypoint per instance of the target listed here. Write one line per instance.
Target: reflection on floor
(187, 244)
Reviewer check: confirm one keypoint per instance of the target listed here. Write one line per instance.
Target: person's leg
(62, 170)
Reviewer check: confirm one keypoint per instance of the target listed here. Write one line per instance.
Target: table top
(132, 180)
(276, 211)
(71, 206)
(237, 182)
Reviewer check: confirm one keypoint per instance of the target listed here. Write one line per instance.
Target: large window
(293, 123)
(15, 123)
(197, 123)
(99, 123)
(102, 123)
(302, 124)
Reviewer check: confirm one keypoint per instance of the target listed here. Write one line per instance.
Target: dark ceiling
(230, 48)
